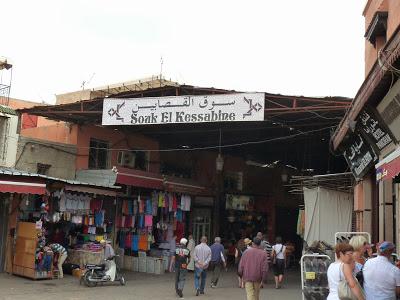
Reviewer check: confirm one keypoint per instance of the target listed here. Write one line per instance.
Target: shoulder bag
(275, 255)
(344, 290)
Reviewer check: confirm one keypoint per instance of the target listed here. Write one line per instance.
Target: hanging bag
(344, 290)
(275, 255)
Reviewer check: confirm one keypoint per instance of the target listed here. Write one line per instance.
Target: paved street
(139, 286)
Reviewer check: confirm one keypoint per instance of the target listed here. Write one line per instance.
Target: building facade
(369, 134)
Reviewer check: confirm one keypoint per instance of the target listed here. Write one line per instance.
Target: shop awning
(22, 186)
(389, 167)
(90, 190)
(139, 178)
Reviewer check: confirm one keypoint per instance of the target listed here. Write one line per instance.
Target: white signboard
(184, 109)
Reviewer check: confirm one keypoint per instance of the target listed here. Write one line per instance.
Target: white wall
(8, 140)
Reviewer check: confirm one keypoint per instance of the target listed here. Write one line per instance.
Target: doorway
(201, 223)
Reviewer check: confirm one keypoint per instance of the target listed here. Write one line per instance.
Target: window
(134, 159)
(98, 154)
(43, 169)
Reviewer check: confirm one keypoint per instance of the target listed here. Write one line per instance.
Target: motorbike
(106, 272)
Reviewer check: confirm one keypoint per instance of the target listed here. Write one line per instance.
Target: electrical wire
(196, 148)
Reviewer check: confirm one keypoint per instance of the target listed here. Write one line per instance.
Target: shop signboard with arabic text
(360, 156)
(184, 109)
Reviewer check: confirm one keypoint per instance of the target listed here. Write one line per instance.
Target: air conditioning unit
(126, 159)
(389, 109)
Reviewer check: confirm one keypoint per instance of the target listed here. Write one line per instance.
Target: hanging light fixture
(219, 162)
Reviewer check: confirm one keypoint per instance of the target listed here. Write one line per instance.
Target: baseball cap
(183, 241)
(386, 246)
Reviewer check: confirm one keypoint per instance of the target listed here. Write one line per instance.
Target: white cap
(183, 241)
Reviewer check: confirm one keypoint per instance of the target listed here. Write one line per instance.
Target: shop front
(72, 216)
(153, 212)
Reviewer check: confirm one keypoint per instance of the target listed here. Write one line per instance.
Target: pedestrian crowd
(358, 274)
(252, 259)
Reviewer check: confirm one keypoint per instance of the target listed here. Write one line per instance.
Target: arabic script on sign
(184, 109)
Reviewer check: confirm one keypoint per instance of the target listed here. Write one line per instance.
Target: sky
(292, 47)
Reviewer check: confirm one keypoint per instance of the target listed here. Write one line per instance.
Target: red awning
(389, 167)
(22, 186)
(139, 178)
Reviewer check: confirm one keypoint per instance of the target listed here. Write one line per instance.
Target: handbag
(275, 255)
(344, 290)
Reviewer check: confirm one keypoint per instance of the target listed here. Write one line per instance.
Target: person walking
(240, 248)
(191, 244)
(359, 244)
(217, 262)
(278, 261)
(342, 269)
(202, 258)
(62, 256)
(253, 269)
(381, 277)
(182, 256)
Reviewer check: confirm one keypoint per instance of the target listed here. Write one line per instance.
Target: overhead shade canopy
(139, 178)
(90, 190)
(389, 167)
(22, 185)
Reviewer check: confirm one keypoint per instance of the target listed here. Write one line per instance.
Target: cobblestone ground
(139, 286)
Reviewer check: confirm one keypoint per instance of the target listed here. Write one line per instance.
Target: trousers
(216, 269)
(180, 277)
(200, 276)
(252, 290)
(60, 262)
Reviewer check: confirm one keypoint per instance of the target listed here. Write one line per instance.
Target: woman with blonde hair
(359, 244)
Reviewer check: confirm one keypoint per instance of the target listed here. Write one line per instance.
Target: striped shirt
(202, 255)
(268, 248)
(58, 248)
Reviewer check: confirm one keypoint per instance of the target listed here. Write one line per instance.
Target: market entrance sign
(184, 109)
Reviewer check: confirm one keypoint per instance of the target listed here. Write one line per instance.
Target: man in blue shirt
(217, 261)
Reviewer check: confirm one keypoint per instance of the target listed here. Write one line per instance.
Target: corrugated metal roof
(7, 110)
(14, 172)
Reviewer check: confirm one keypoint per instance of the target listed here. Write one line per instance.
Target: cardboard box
(78, 272)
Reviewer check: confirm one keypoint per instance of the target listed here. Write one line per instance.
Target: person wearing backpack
(278, 261)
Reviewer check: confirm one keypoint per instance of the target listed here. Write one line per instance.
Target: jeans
(253, 290)
(216, 269)
(200, 274)
(180, 277)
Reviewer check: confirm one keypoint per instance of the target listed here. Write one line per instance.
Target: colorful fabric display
(148, 221)
(141, 221)
(149, 207)
(143, 242)
(99, 218)
(130, 207)
(135, 207)
(135, 243)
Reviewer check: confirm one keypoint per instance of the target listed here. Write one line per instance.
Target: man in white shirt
(381, 277)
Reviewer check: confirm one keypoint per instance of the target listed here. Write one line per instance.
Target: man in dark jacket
(253, 269)
(182, 257)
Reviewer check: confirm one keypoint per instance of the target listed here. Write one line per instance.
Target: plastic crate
(159, 266)
(142, 264)
(135, 264)
(150, 265)
(128, 263)
(166, 263)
